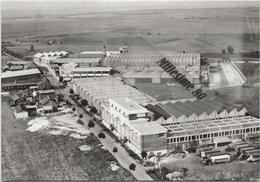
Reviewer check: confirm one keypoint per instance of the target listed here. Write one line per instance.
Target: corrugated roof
(10, 74)
(158, 110)
(170, 110)
(45, 100)
(201, 105)
(188, 104)
(180, 108)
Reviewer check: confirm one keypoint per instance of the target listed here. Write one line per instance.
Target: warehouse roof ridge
(9, 74)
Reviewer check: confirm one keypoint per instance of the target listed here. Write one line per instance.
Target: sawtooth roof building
(198, 110)
(160, 127)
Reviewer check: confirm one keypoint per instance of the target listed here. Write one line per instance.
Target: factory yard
(236, 170)
(39, 155)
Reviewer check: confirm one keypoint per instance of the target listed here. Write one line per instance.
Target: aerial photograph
(130, 90)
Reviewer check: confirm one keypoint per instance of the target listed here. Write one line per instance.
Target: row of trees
(101, 135)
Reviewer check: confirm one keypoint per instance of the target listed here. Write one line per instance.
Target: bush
(80, 116)
(132, 166)
(80, 122)
(230, 49)
(71, 91)
(91, 124)
(133, 154)
(115, 150)
(73, 109)
(84, 102)
(101, 135)
(93, 110)
(144, 154)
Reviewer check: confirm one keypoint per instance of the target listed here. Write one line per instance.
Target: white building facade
(130, 121)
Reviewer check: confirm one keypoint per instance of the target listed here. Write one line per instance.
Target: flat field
(192, 30)
(39, 156)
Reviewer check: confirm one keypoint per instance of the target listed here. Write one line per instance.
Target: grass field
(39, 156)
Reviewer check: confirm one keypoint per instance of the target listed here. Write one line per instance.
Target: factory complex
(141, 121)
(159, 127)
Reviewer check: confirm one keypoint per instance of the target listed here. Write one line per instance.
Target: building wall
(232, 133)
(121, 129)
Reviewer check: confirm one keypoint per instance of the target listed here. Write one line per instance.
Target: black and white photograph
(128, 90)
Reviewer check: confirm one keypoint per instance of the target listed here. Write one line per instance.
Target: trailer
(204, 153)
(243, 150)
(238, 143)
(199, 150)
(237, 147)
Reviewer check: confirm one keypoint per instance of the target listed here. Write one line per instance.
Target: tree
(132, 166)
(93, 110)
(230, 49)
(80, 116)
(223, 51)
(73, 109)
(91, 124)
(71, 91)
(101, 135)
(112, 127)
(144, 154)
(84, 102)
(115, 150)
(61, 80)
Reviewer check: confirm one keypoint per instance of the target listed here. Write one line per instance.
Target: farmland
(192, 30)
(38, 156)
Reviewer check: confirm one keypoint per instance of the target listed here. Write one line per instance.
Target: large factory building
(159, 127)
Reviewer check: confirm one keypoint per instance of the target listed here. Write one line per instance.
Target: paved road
(122, 156)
